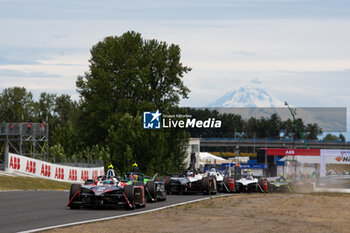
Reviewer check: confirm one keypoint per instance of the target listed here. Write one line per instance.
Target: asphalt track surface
(27, 210)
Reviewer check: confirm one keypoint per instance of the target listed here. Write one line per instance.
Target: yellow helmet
(249, 170)
(110, 166)
(135, 164)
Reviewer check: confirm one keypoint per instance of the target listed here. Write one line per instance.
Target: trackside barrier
(42, 169)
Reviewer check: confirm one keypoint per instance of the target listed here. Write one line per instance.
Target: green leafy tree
(330, 138)
(16, 105)
(95, 152)
(158, 151)
(45, 106)
(274, 126)
(312, 131)
(57, 153)
(342, 138)
(287, 129)
(128, 74)
(67, 137)
(65, 109)
(252, 128)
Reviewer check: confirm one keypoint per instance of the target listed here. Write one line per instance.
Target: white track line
(121, 216)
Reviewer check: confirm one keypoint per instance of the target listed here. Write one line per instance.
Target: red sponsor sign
(84, 175)
(295, 152)
(73, 174)
(15, 163)
(45, 170)
(94, 175)
(31, 167)
(59, 174)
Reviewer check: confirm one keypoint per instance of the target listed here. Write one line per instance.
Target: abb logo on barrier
(84, 175)
(73, 174)
(15, 163)
(290, 152)
(94, 175)
(31, 167)
(59, 174)
(45, 170)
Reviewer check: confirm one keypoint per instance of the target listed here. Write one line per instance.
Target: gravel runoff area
(278, 212)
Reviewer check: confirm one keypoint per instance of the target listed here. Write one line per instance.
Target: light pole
(293, 112)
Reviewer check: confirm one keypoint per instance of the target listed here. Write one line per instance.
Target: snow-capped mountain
(254, 102)
(247, 97)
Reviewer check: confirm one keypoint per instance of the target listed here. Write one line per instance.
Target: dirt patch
(320, 212)
(338, 167)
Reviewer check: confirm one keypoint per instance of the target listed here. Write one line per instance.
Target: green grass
(28, 183)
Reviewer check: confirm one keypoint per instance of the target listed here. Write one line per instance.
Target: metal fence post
(6, 155)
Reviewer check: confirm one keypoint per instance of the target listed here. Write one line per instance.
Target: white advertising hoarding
(51, 171)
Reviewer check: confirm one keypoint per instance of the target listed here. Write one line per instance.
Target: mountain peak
(247, 97)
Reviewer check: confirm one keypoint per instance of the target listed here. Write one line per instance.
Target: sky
(296, 50)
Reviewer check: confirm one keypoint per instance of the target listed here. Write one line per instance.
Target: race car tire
(74, 196)
(151, 187)
(213, 186)
(205, 185)
(130, 195)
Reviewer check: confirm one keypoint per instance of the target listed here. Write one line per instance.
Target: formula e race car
(191, 182)
(154, 190)
(280, 185)
(247, 183)
(224, 183)
(107, 191)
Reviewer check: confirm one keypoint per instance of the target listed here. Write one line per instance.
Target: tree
(342, 138)
(312, 131)
(64, 108)
(67, 137)
(16, 104)
(57, 153)
(45, 106)
(330, 138)
(274, 124)
(159, 151)
(128, 74)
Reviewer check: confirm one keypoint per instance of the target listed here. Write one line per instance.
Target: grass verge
(29, 183)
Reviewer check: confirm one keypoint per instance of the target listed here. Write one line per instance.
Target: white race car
(247, 183)
(191, 181)
(223, 183)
